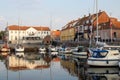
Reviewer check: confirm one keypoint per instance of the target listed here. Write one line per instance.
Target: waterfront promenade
(35, 47)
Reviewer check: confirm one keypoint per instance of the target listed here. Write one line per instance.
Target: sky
(51, 13)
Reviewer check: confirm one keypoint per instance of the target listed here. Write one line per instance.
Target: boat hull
(5, 50)
(81, 55)
(103, 62)
(19, 49)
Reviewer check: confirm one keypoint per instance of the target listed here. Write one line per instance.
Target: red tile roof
(39, 28)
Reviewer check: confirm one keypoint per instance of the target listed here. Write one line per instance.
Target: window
(115, 35)
(47, 32)
(15, 37)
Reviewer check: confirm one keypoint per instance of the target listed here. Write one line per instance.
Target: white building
(19, 33)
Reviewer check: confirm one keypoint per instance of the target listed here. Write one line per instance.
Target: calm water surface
(37, 67)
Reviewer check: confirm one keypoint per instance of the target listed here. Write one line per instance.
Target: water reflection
(74, 69)
(14, 62)
(104, 73)
(85, 72)
(34, 66)
(5, 54)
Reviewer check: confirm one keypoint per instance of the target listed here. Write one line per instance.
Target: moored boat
(19, 48)
(104, 57)
(53, 51)
(42, 50)
(79, 52)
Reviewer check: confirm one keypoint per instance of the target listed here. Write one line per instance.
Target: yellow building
(68, 32)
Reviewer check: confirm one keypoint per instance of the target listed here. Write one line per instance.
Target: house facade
(16, 33)
(68, 32)
(86, 28)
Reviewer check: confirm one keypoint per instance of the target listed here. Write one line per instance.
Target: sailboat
(102, 54)
(19, 47)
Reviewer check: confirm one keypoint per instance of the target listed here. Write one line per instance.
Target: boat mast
(18, 31)
(97, 20)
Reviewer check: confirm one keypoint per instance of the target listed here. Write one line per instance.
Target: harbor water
(42, 67)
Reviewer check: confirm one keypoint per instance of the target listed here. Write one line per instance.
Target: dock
(28, 47)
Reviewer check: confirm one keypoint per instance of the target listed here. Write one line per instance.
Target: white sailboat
(103, 55)
(19, 47)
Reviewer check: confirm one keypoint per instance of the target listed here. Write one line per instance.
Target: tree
(2, 33)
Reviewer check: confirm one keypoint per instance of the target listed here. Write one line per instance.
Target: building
(55, 35)
(17, 33)
(85, 28)
(68, 32)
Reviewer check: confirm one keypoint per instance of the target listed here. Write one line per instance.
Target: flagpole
(110, 24)
(111, 30)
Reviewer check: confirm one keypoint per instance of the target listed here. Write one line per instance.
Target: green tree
(2, 33)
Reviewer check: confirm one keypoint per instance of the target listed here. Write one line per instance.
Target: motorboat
(42, 50)
(19, 48)
(53, 51)
(107, 56)
(66, 50)
(79, 52)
